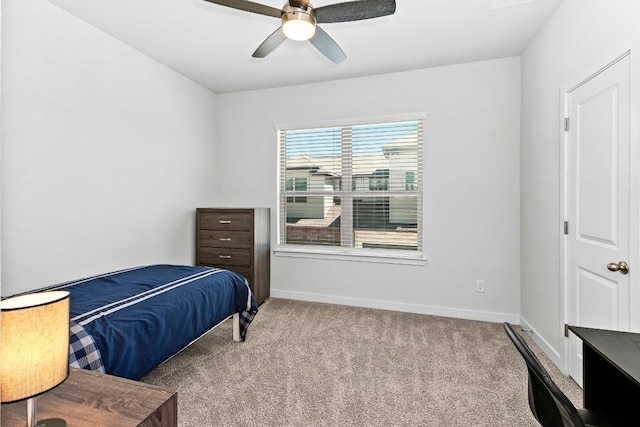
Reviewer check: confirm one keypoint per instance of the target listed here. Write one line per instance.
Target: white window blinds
(355, 187)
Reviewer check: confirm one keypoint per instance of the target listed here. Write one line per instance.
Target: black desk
(611, 368)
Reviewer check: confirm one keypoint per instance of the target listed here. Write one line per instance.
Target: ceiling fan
(300, 19)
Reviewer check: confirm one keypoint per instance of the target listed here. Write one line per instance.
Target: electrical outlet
(480, 286)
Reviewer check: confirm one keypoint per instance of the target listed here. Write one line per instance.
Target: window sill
(350, 255)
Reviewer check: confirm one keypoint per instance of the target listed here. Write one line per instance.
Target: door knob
(622, 267)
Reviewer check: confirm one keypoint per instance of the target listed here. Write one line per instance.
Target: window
(379, 181)
(296, 184)
(410, 179)
(353, 190)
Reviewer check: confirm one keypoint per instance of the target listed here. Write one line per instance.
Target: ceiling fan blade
(354, 11)
(273, 41)
(249, 6)
(327, 46)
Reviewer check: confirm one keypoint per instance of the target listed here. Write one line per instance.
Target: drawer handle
(224, 256)
(224, 221)
(224, 239)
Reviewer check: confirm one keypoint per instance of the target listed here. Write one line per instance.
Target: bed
(127, 322)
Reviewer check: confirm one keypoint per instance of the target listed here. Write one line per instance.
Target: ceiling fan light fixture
(298, 24)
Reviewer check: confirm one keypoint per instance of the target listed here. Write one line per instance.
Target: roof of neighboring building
(409, 143)
(363, 164)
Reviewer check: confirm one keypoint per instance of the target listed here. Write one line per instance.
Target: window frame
(393, 256)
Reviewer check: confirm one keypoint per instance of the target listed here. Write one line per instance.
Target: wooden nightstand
(91, 399)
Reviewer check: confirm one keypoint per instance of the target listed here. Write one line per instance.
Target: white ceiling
(212, 44)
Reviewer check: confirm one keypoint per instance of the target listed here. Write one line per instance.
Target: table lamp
(34, 349)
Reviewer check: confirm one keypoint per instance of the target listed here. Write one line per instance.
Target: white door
(598, 205)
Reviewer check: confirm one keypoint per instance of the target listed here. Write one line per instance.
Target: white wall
(105, 152)
(471, 208)
(581, 37)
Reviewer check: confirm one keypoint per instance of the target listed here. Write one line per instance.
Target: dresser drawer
(223, 257)
(225, 239)
(238, 221)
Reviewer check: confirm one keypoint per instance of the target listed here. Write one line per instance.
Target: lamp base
(52, 422)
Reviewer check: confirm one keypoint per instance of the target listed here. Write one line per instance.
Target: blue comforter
(140, 317)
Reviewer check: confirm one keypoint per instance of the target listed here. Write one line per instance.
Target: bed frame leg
(236, 327)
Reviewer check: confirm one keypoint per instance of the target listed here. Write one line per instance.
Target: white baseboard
(544, 345)
(459, 313)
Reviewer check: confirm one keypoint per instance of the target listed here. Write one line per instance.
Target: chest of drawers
(237, 240)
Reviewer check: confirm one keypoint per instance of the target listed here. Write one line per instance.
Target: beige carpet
(311, 364)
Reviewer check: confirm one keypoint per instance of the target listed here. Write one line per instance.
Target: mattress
(127, 322)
